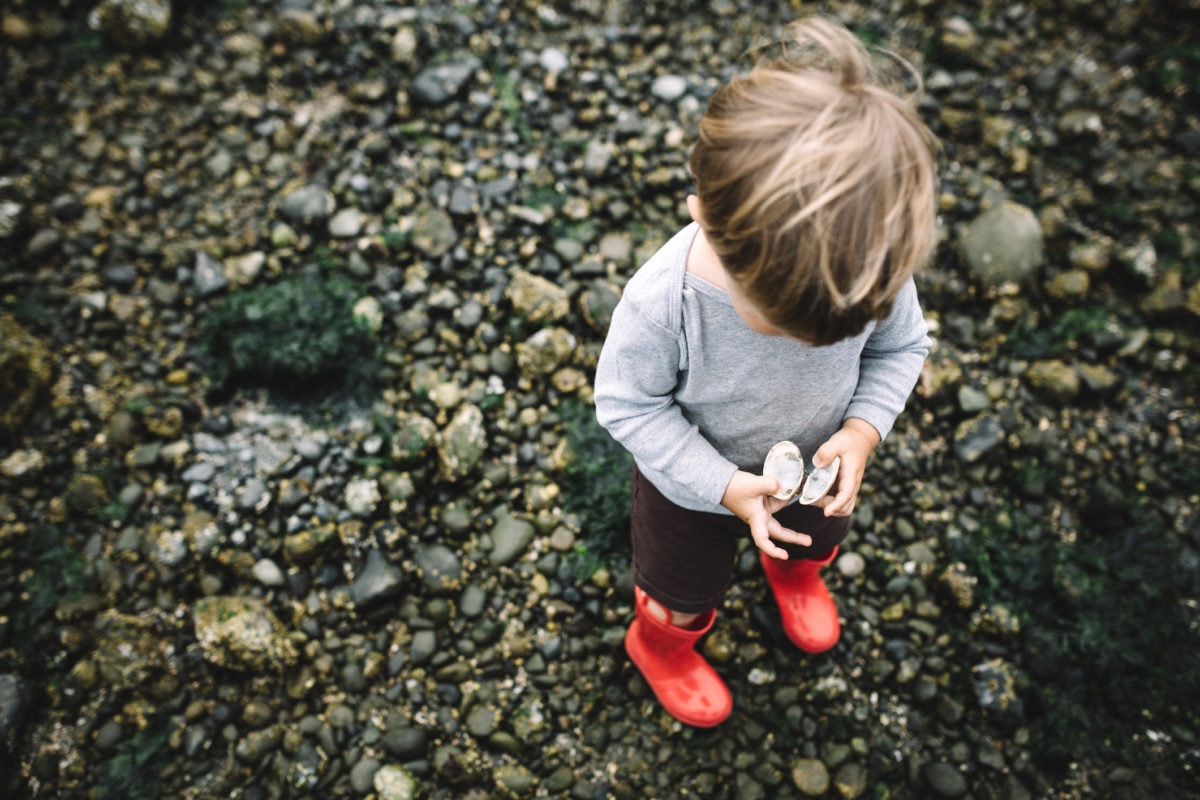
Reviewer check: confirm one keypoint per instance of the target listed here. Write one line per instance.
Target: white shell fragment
(786, 463)
(819, 481)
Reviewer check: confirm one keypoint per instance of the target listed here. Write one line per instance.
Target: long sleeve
(636, 379)
(891, 363)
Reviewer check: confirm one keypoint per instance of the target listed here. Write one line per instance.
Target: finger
(788, 535)
(758, 532)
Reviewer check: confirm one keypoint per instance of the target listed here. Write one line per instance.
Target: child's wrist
(864, 429)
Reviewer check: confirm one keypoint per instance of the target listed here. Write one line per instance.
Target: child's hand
(749, 498)
(854, 443)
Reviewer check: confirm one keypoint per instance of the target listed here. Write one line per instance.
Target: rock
(20, 463)
(132, 23)
(959, 584)
(241, 633)
(308, 204)
(440, 568)
(394, 782)
(379, 581)
(462, 443)
(944, 780)
(995, 689)
(208, 275)
(15, 703)
(131, 651)
(669, 87)
(811, 777)
(1003, 244)
(510, 536)
(514, 781)
(544, 352)
(300, 26)
(10, 216)
(851, 780)
(268, 573)
(972, 400)
(851, 565)
(977, 436)
(1054, 380)
(433, 233)
(346, 223)
(438, 85)
(554, 60)
(536, 299)
(25, 374)
(362, 496)
(413, 439)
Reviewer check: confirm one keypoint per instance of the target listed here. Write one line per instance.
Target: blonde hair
(817, 184)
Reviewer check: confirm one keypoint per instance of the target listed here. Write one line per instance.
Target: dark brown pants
(684, 559)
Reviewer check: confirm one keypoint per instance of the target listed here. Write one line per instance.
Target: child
(785, 311)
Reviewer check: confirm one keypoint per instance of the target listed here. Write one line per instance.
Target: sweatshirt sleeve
(891, 363)
(636, 378)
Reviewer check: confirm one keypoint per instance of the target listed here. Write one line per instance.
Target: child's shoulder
(657, 287)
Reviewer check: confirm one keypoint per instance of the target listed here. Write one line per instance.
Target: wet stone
(944, 780)
(378, 581)
(440, 568)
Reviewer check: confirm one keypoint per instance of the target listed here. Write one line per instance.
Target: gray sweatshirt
(694, 394)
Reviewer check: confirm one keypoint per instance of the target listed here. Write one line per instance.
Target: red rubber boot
(808, 613)
(686, 685)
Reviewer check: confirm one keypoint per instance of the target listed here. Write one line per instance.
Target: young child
(785, 311)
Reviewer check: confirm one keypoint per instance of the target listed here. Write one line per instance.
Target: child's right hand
(749, 497)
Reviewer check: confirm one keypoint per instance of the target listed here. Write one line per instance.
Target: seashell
(786, 463)
(819, 481)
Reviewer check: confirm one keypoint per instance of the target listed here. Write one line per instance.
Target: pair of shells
(786, 463)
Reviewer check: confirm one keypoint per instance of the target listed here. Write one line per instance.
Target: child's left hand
(853, 443)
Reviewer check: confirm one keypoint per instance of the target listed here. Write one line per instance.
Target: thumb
(824, 455)
(763, 485)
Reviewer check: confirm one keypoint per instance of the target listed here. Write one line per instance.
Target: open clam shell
(819, 481)
(785, 462)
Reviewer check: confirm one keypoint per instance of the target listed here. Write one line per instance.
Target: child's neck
(703, 262)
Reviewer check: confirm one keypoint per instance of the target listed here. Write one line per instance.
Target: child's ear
(693, 206)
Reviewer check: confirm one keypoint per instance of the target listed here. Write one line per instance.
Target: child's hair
(817, 185)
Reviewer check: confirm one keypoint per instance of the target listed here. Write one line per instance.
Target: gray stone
(308, 204)
(14, 710)
(394, 782)
(440, 568)
(669, 87)
(438, 85)
(268, 573)
(346, 223)
(510, 536)
(976, 436)
(378, 581)
(362, 775)
(1003, 244)
(944, 780)
(208, 275)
